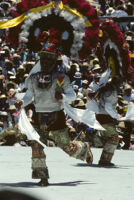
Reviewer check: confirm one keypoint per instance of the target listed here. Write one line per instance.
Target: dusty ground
(70, 179)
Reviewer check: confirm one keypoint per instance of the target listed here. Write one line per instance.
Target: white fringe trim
(77, 24)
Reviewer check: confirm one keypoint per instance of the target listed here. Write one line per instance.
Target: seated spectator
(10, 84)
(16, 59)
(28, 66)
(94, 85)
(96, 69)
(0, 70)
(73, 68)
(129, 8)
(13, 117)
(127, 92)
(95, 61)
(9, 67)
(4, 119)
(2, 85)
(20, 74)
(1, 126)
(85, 70)
(77, 79)
(3, 102)
(110, 10)
(83, 90)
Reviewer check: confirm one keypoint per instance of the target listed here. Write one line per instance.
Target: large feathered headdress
(68, 26)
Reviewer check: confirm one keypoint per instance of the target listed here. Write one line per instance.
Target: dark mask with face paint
(48, 65)
(48, 62)
(44, 81)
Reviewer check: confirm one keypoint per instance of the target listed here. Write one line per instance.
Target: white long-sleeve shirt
(44, 99)
(106, 105)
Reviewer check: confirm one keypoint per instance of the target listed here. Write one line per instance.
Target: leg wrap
(106, 157)
(111, 144)
(109, 148)
(77, 149)
(38, 162)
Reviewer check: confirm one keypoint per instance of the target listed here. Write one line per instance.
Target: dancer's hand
(18, 104)
(58, 95)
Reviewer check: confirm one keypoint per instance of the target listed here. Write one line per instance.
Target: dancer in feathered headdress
(53, 28)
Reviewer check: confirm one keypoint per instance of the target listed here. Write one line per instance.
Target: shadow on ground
(97, 166)
(33, 184)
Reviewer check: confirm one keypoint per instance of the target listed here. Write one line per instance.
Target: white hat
(12, 77)
(20, 67)
(80, 95)
(75, 87)
(3, 113)
(110, 10)
(129, 38)
(77, 75)
(10, 73)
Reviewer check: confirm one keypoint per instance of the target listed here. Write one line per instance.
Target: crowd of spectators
(15, 66)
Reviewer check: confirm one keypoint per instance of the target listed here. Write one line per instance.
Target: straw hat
(127, 87)
(79, 104)
(124, 102)
(72, 130)
(129, 38)
(16, 55)
(95, 61)
(12, 107)
(11, 132)
(3, 96)
(8, 62)
(5, 48)
(132, 138)
(20, 68)
(11, 92)
(25, 75)
(1, 124)
(77, 68)
(1, 77)
(85, 64)
(96, 67)
(11, 83)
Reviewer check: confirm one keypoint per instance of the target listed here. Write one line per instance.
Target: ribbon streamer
(13, 22)
(18, 20)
